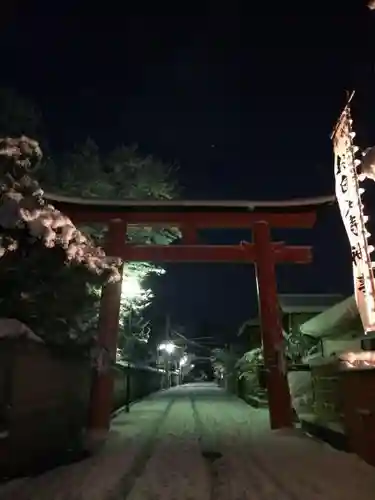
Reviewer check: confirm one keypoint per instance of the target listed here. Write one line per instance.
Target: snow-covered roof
(307, 302)
(173, 204)
(248, 324)
(335, 321)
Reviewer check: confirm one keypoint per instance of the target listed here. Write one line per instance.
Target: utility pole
(166, 355)
(167, 327)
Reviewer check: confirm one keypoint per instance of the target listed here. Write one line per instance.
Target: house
(296, 309)
(338, 328)
(250, 333)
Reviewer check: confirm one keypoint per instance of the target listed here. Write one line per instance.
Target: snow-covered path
(196, 442)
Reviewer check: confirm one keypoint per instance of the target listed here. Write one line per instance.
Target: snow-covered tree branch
(22, 207)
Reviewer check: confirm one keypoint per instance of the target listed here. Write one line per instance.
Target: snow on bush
(362, 359)
(22, 207)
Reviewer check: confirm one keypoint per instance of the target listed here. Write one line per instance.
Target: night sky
(243, 99)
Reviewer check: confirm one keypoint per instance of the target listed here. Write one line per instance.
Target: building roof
(307, 303)
(252, 322)
(338, 320)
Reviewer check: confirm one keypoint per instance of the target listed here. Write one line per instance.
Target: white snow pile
(301, 391)
(22, 206)
(12, 328)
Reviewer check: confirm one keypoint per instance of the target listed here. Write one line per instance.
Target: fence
(143, 380)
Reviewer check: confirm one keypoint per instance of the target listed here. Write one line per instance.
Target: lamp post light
(130, 290)
(169, 348)
(183, 361)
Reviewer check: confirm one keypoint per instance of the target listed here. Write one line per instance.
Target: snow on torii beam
(220, 214)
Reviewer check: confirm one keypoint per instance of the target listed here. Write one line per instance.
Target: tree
(19, 116)
(47, 265)
(123, 173)
(224, 362)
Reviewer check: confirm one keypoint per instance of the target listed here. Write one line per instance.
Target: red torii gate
(190, 217)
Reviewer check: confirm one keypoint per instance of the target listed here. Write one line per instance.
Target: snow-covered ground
(198, 443)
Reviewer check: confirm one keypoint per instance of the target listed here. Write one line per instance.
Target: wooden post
(102, 385)
(280, 407)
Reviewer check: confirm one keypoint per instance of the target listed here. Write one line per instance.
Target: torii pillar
(103, 377)
(281, 413)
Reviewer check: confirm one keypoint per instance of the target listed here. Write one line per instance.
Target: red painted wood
(102, 387)
(211, 253)
(281, 414)
(199, 220)
(357, 388)
(189, 235)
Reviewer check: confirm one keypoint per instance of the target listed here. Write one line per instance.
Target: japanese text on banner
(351, 213)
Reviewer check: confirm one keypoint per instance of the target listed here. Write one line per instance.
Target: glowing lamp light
(358, 359)
(131, 288)
(183, 360)
(168, 347)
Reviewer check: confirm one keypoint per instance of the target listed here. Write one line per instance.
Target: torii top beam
(298, 213)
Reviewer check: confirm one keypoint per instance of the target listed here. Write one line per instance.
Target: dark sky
(243, 98)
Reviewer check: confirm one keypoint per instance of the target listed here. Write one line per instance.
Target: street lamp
(168, 347)
(131, 288)
(183, 361)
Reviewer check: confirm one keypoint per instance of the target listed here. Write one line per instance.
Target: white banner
(348, 195)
